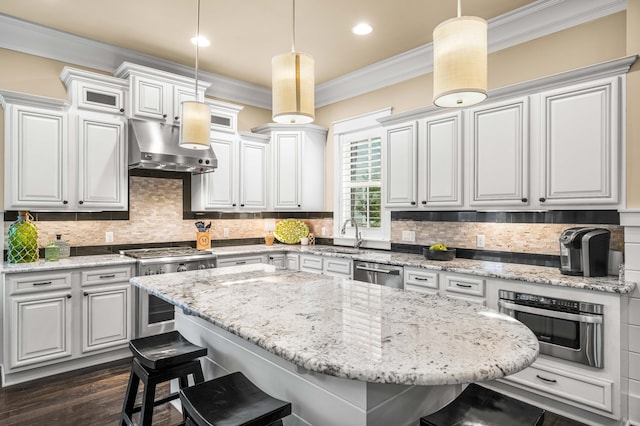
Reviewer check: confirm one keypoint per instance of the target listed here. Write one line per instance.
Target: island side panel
(317, 399)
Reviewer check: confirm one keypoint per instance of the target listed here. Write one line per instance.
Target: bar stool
(158, 359)
(231, 400)
(480, 406)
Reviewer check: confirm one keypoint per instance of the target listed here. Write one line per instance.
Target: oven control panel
(550, 303)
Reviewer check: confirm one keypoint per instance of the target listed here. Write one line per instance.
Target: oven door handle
(588, 318)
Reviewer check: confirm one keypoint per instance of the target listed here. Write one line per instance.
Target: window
(361, 181)
(358, 180)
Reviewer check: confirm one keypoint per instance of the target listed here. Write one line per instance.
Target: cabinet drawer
(236, 261)
(311, 264)
(573, 387)
(105, 276)
(337, 267)
(421, 280)
(293, 262)
(29, 283)
(464, 285)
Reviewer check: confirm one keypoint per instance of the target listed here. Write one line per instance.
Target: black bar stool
(231, 400)
(158, 359)
(480, 406)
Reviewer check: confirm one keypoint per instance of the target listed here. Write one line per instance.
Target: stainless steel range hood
(154, 145)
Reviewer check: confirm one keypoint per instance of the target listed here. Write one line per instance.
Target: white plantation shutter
(361, 181)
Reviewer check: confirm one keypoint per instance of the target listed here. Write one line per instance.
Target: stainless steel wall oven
(566, 329)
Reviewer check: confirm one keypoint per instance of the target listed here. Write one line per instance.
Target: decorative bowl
(449, 254)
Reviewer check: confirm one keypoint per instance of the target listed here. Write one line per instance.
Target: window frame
(364, 126)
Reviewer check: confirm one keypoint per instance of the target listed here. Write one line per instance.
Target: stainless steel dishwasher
(378, 273)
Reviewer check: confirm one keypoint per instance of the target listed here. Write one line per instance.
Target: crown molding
(526, 23)
(529, 22)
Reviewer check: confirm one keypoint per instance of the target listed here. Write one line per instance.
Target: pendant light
(292, 78)
(460, 61)
(196, 115)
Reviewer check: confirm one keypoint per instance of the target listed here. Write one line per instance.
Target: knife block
(203, 240)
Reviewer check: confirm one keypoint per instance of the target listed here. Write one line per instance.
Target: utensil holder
(203, 240)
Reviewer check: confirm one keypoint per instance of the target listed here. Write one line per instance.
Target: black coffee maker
(585, 251)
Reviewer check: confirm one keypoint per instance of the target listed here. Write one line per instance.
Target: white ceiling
(246, 34)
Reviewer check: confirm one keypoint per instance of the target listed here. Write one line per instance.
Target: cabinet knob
(85, 293)
(241, 205)
(233, 205)
(413, 203)
(81, 202)
(121, 109)
(542, 199)
(524, 200)
(424, 203)
(164, 115)
(65, 202)
(68, 296)
(299, 205)
(177, 117)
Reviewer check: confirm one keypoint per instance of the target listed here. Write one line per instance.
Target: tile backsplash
(155, 216)
(533, 238)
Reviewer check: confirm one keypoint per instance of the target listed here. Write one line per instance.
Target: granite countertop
(67, 263)
(350, 329)
(501, 270)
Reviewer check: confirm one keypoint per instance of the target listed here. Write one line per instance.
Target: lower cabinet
(240, 260)
(420, 280)
(463, 287)
(331, 266)
(293, 261)
(54, 321)
(279, 260)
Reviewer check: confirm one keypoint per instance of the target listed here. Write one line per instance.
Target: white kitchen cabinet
(498, 136)
(279, 260)
(420, 280)
(463, 287)
(293, 261)
(337, 267)
(37, 166)
(155, 94)
(440, 161)
(106, 317)
(95, 92)
(311, 263)
(400, 165)
(224, 261)
(102, 180)
(296, 167)
(580, 144)
(39, 328)
(240, 181)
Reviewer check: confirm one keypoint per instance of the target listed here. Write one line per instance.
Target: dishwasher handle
(381, 271)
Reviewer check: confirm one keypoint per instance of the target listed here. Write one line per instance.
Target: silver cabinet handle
(381, 271)
(44, 283)
(544, 379)
(593, 319)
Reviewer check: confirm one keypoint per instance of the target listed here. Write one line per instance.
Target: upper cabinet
(498, 142)
(156, 94)
(580, 144)
(36, 165)
(423, 163)
(297, 166)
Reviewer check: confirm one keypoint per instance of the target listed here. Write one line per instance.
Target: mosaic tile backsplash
(534, 238)
(155, 216)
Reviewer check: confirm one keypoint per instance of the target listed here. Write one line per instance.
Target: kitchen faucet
(358, 235)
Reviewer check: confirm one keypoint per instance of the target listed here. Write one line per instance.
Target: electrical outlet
(409, 236)
(480, 241)
(108, 237)
(225, 232)
(324, 231)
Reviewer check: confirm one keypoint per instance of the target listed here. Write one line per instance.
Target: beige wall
(583, 45)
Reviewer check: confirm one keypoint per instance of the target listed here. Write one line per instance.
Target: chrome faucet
(358, 235)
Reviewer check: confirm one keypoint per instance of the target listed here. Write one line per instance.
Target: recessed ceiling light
(362, 29)
(201, 41)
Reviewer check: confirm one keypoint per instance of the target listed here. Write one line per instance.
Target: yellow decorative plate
(290, 231)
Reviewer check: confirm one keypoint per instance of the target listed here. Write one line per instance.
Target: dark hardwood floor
(93, 396)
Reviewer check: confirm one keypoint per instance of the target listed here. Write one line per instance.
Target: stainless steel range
(154, 315)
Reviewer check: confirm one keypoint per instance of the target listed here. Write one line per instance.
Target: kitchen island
(343, 352)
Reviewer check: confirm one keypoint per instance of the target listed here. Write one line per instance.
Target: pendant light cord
(459, 8)
(197, 45)
(293, 26)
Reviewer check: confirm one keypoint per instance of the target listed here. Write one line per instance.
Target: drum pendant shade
(195, 126)
(460, 62)
(293, 88)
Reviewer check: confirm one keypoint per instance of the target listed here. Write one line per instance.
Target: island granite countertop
(350, 329)
(500, 270)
